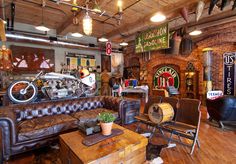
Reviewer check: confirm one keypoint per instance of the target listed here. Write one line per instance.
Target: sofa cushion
(91, 115)
(45, 126)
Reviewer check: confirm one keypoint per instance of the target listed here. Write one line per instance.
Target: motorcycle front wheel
(22, 91)
(91, 91)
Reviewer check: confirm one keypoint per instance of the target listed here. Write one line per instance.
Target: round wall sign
(166, 76)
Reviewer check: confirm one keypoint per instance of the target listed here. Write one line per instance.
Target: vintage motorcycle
(54, 86)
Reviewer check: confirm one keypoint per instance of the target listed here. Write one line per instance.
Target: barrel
(160, 112)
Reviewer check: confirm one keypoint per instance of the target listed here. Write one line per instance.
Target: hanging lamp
(42, 27)
(87, 24)
(103, 38)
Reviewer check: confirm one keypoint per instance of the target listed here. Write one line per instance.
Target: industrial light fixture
(87, 24)
(158, 17)
(97, 7)
(124, 44)
(42, 27)
(76, 34)
(102, 39)
(120, 6)
(195, 32)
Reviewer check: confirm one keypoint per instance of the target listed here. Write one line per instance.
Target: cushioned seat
(45, 126)
(91, 115)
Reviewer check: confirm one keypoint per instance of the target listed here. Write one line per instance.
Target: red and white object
(214, 94)
(108, 48)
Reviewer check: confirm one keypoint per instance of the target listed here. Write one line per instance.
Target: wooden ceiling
(136, 15)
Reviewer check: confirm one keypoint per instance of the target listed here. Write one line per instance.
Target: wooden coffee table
(128, 147)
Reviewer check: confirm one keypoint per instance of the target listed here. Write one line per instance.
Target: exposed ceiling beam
(65, 27)
(145, 21)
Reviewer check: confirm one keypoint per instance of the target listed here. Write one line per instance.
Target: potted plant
(106, 121)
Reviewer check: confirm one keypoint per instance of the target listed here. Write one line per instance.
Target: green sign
(153, 39)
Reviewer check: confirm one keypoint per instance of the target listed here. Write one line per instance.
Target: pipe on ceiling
(47, 6)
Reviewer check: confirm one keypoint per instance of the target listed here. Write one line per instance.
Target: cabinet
(191, 84)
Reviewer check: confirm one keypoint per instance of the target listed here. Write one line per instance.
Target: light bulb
(120, 4)
(87, 24)
(42, 28)
(158, 17)
(124, 44)
(195, 32)
(102, 39)
(76, 34)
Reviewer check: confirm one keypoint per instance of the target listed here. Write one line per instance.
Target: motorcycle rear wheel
(15, 95)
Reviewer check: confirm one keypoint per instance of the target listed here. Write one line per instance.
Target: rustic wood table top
(122, 145)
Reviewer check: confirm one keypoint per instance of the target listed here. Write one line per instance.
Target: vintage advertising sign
(214, 94)
(153, 39)
(108, 48)
(229, 73)
(166, 76)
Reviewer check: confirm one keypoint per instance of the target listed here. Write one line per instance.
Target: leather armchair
(30, 126)
(222, 109)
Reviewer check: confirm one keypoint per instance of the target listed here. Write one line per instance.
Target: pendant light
(87, 24)
(124, 44)
(42, 27)
(195, 32)
(158, 17)
(103, 39)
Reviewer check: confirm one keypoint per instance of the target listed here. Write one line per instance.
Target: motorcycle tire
(17, 97)
(91, 93)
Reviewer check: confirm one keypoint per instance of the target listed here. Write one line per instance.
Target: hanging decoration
(5, 59)
(5, 54)
(42, 27)
(184, 14)
(212, 5)
(234, 5)
(177, 40)
(223, 4)
(87, 24)
(199, 10)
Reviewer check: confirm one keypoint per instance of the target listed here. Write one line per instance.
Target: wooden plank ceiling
(136, 15)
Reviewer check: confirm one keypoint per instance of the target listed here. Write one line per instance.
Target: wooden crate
(129, 147)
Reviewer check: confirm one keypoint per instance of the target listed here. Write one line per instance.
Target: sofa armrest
(113, 103)
(7, 130)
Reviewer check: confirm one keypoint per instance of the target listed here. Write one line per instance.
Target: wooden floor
(217, 147)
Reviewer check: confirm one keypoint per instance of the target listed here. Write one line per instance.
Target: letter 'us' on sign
(229, 73)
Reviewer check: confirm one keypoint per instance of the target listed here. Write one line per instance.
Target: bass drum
(160, 112)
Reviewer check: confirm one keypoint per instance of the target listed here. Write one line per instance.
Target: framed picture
(32, 60)
(106, 63)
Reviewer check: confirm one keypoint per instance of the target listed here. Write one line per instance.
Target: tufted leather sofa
(29, 126)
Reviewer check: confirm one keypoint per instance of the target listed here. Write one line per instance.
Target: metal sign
(166, 76)
(229, 73)
(108, 48)
(153, 39)
(214, 94)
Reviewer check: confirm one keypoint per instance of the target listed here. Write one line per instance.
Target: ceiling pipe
(47, 6)
(86, 9)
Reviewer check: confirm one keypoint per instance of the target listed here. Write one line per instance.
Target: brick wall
(220, 43)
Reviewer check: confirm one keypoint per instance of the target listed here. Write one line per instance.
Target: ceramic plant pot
(106, 128)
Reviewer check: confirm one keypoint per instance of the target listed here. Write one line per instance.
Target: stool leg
(153, 132)
(137, 129)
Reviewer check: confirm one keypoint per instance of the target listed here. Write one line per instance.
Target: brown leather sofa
(30, 126)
